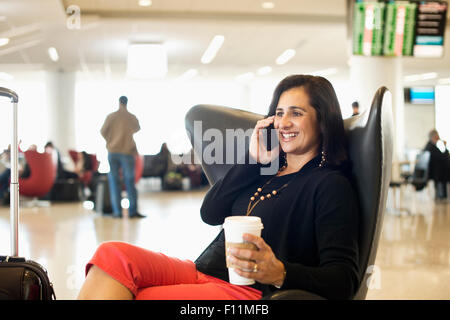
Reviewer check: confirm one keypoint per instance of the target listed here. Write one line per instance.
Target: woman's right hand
(258, 150)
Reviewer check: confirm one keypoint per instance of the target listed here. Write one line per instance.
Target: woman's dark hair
(87, 161)
(322, 98)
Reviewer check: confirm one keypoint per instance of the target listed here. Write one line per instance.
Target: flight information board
(399, 28)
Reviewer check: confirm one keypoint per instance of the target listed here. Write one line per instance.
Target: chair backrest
(43, 170)
(87, 175)
(421, 168)
(95, 163)
(370, 141)
(370, 137)
(207, 120)
(155, 165)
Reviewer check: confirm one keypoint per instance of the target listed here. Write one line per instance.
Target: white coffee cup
(235, 227)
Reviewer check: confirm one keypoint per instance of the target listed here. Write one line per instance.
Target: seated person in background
(6, 173)
(5, 159)
(355, 108)
(439, 165)
(310, 235)
(165, 154)
(164, 151)
(83, 164)
(5, 176)
(61, 173)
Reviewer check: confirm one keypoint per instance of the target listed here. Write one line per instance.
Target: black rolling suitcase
(66, 190)
(20, 279)
(102, 202)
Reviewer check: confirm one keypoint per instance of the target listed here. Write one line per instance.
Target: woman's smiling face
(296, 122)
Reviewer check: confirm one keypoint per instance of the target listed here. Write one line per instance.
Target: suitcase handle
(14, 186)
(4, 92)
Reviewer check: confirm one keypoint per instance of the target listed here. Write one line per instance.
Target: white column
(61, 105)
(367, 74)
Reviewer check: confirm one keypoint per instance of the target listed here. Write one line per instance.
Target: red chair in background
(43, 169)
(87, 175)
(138, 168)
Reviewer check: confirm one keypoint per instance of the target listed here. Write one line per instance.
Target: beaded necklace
(258, 198)
(252, 205)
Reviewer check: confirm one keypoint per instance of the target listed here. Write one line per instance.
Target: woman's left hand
(264, 266)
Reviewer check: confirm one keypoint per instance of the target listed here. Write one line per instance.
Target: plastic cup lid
(243, 221)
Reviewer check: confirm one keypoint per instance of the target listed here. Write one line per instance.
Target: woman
(83, 164)
(308, 209)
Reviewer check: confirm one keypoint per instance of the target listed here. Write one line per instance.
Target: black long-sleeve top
(439, 163)
(311, 226)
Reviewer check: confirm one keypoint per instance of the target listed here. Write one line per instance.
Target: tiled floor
(413, 260)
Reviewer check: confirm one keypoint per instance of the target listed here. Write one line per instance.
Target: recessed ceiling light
(412, 77)
(422, 76)
(53, 54)
(285, 56)
(268, 5)
(4, 41)
(264, 70)
(430, 75)
(212, 49)
(145, 3)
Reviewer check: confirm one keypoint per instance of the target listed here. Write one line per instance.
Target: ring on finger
(255, 268)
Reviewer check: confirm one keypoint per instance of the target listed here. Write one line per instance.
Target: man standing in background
(118, 131)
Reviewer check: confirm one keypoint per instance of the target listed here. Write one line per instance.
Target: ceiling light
(145, 3)
(4, 41)
(212, 49)
(422, 76)
(285, 56)
(246, 77)
(188, 75)
(430, 75)
(146, 60)
(268, 5)
(53, 54)
(411, 78)
(6, 76)
(264, 70)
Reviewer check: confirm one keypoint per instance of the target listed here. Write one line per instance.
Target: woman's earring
(322, 162)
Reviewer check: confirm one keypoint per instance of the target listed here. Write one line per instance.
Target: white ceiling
(254, 36)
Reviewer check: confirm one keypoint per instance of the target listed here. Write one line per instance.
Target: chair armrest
(292, 295)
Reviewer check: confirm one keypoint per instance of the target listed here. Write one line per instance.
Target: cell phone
(267, 137)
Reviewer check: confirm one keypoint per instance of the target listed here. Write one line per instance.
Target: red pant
(154, 276)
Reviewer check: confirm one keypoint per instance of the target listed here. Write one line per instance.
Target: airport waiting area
(266, 150)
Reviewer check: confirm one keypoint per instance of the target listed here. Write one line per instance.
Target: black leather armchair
(370, 137)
